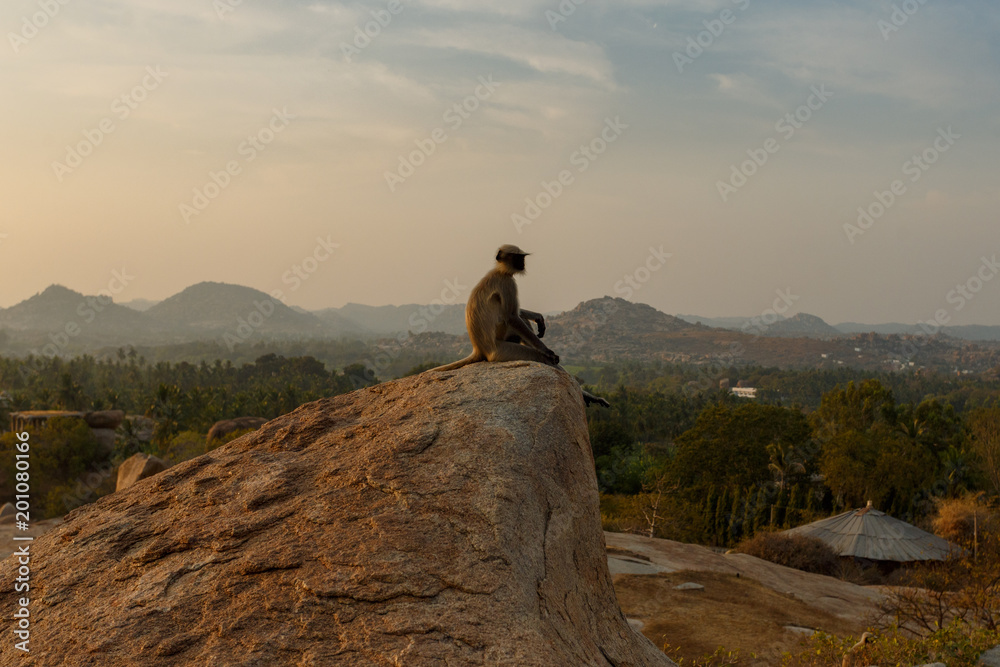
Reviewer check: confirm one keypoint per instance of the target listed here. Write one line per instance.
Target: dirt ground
(755, 606)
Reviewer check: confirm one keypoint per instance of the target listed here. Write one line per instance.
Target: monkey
(498, 326)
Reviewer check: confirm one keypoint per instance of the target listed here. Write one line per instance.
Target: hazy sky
(120, 120)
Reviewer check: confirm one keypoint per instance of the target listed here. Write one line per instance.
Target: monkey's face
(515, 262)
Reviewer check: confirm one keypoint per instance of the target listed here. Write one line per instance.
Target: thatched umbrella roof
(869, 533)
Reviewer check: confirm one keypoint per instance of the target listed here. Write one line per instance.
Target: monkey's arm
(537, 318)
(529, 338)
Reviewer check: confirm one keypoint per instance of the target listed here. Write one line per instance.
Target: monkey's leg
(507, 351)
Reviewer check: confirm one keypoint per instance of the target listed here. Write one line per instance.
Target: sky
(709, 157)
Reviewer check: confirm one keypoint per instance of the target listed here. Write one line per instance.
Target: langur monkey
(497, 325)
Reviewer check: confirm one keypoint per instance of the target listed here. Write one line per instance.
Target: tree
(785, 462)
(64, 455)
(728, 446)
(984, 427)
(866, 454)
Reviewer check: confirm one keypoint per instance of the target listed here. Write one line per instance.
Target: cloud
(540, 51)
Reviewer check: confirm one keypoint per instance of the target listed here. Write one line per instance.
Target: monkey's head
(511, 258)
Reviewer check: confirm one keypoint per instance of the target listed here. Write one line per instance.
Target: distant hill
(884, 329)
(141, 305)
(610, 325)
(802, 324)
(386, 320)
(596, 331)
(973, 332)
(214, 308)
(58, 307)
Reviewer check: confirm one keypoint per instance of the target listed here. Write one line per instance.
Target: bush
(808, 554)
(957, 645)
(961, 520)
(67, 466)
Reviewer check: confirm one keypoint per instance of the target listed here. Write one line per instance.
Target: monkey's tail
(471, 359)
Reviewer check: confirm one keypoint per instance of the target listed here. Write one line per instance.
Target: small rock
(808, 632)
(990, 658)
(689, 586)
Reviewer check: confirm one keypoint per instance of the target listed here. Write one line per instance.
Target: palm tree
(785, 462)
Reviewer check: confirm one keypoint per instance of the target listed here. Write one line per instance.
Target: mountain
(387, 320)
(802, 325)
(214, 308)
(885, 329)
(611, 327)
(974, 332)
(59, 309)
(971, 332)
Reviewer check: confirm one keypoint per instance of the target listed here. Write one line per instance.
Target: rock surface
(990, 658)
(442, 519)
(136, 467)
(834, 596)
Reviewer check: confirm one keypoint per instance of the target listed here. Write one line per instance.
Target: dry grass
(731, 611)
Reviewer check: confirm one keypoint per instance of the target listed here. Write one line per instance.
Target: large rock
(221, 429)
(136, 467)
(109, 419)
(442, 519)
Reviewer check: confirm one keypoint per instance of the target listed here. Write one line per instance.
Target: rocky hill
(57, 306)
(447, 518)
(214, 308)
(802, 325)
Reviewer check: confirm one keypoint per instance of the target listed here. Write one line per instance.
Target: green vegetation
(675, 457)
